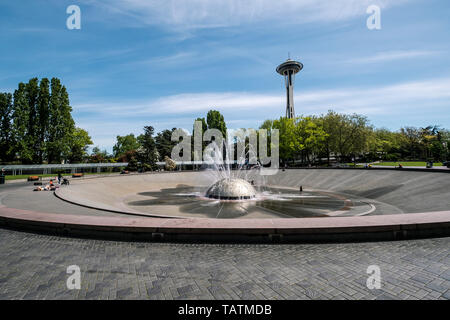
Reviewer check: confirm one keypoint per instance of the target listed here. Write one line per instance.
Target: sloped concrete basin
(326, 193)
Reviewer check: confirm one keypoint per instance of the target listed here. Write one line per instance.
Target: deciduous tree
(6, 112)
(79, 142)
(124, 144)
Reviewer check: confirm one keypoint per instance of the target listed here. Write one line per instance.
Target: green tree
(6, 112)
(147, 154)
(132, 164)
(164, 143)
(32, 94)
(289, 144)
(445, 140)
(310, 137)
(42, 124)
(61, 124)
(385, 144)
(347, 135)
(42, 118)
(125, 144)
(95, 150)
(330, 124)
(23, 142)
(300, 138)
(267, 124)
(79, 142)
(410, 142)
(430, 140)
(98, 155)
(215, 120)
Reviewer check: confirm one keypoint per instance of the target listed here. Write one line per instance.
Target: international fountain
(219, 191)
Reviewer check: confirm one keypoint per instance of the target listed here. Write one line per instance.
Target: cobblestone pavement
(34, 267)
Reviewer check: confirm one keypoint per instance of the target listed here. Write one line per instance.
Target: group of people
(51, 185)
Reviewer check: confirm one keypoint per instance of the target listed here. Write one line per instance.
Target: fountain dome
(231, 189)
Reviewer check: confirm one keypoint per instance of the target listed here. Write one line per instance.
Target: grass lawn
(25, 176)
(406, 164)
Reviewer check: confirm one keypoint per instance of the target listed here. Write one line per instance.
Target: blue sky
(164, 63)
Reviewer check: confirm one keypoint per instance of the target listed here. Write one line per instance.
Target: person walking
(2, 176)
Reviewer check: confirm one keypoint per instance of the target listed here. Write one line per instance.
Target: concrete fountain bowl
(335, 205)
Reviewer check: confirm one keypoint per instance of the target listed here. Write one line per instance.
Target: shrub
(132, 165)
(170, 164)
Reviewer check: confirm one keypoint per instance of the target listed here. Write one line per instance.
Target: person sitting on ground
(400, 166)
(50, 186)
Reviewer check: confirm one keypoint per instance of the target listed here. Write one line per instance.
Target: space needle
(288, 69)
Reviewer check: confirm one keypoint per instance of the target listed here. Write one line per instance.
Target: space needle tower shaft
(288, 69)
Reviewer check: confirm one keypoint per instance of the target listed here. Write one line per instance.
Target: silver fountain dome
(231, 189)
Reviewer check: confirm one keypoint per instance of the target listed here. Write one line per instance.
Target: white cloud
(195, 14)
(368, 100)
(186, 103)
(390, 100)
(241, 109)
(393, 55)
(167, 61)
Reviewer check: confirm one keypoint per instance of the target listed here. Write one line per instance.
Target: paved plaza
(34, 266)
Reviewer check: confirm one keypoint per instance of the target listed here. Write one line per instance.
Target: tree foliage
(37, 124)
(299, 138)
(124, 144)
(147, 153)
(6, 111)
(164, 143)
(215, 120)
(345, 138)
(78, 145)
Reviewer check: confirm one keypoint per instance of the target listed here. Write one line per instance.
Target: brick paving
(34, 267)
